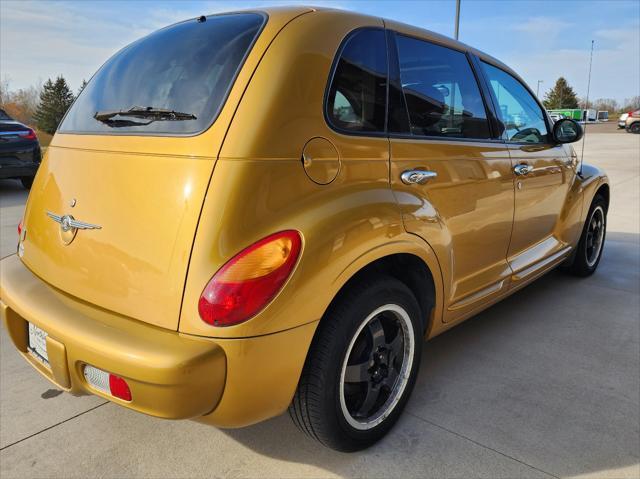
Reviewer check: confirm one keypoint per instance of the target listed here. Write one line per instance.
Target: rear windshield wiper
(149, 112)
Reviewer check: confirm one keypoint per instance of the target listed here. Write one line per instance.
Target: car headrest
(426, 104)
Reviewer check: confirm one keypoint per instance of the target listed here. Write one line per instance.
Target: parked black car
(19, 150)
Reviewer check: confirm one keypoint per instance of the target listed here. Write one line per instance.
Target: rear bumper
(20, 162)
(223, 382)
(18, 171)
(170, 376)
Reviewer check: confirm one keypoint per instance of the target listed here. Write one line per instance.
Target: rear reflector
(107, 383)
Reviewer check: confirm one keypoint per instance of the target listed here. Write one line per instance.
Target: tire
(635, 127)
(586, 258)
(335, 402)
(27, 181)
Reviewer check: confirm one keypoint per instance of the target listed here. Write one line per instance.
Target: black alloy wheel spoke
(392, 376)
(357, 373)
(377, 334)
(371, 397)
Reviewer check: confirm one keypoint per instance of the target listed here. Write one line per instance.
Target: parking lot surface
(544, 384)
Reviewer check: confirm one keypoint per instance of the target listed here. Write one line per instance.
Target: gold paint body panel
(173, 210)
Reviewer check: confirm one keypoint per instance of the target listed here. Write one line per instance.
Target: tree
(606, 104)
(82, 85)
(4, 91)
(631, 104)
(560, 96)
(55, 99)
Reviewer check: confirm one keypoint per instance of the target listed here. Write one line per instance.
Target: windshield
(188, 67)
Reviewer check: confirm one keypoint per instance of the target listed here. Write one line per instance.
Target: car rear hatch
(115, 205)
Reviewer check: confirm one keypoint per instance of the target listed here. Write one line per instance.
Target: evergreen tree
(82, 85)
(55, 99)
(560, 96)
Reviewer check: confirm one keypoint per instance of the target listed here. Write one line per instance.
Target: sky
(540, 39)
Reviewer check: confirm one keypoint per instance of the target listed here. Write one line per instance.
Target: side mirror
(567, 131)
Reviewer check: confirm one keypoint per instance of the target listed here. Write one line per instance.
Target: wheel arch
(603, 191)
(413, 264)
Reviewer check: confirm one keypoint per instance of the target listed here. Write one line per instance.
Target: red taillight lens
(119, 387)
(28, 135)
(244, 285)
(20, 228)
(107, 383)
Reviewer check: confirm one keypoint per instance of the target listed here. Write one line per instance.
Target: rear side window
(441, 92)
(188, 68)
(358, 92)
(519, 112)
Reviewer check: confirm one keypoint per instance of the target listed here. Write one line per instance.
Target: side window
(358, 94)
(441, 91)
(519, 112)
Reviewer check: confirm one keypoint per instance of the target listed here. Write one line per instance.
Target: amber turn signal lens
(245, 284)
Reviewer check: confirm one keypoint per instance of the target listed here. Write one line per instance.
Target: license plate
(38, 343)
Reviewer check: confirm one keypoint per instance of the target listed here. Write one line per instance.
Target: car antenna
(586, 117)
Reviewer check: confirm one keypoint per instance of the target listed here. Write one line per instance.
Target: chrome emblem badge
(69, 226)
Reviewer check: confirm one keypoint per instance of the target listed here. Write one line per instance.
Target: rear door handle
(522, 169)
(420, 177)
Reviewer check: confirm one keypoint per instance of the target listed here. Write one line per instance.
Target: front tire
(589, 249)
(635, 127)
(361, 367)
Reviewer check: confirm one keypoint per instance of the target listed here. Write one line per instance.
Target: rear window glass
(188, 68)
(358, 94)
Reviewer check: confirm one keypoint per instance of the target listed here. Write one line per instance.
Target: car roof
(404, 28)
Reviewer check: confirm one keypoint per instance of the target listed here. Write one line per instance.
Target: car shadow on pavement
(546, 378)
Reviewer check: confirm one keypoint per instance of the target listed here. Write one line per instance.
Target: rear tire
(27, 181)
(361, 367)
(589, 249)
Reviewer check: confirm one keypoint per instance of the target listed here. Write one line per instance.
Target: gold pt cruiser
(267, 210)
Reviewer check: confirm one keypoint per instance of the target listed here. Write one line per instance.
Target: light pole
(538, 88)
(457, 30)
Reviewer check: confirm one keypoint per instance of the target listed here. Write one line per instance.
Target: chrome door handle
(420, 177)
(522, 169)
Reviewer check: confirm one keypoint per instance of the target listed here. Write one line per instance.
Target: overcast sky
(541, 39)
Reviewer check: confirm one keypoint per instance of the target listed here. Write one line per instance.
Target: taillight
(28, 135)
(20, 228)
(107, 383)
(119, 387)
(246, 283)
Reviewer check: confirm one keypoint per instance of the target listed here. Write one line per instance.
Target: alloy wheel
(595, 236)
(377, 367)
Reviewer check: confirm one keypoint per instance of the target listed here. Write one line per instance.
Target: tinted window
(441, 92)
(357, 97)
(188, 67)
(522, 117)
